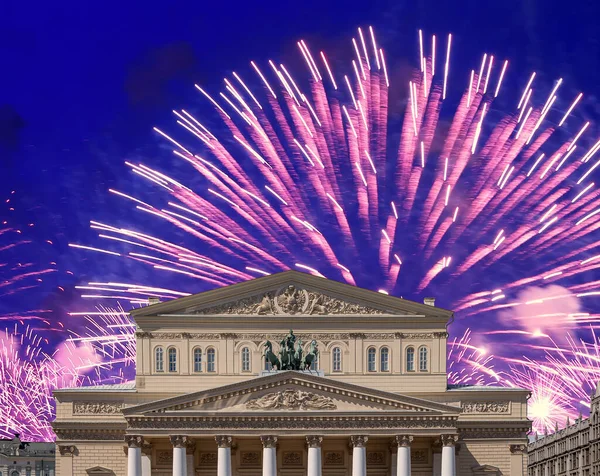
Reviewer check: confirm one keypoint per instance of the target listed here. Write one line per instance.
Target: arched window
(384, 359)
(245, 359)
(172, 359)
(198, 360)
(410, 359)
(371, 364)
(210, 360)
(158, 358)
(423, 359)
(336, 359)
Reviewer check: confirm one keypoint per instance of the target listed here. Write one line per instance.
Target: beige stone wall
(109, 455)
(491, 452)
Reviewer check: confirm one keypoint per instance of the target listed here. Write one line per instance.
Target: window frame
(421, 349)
(410, 362)
(336, 351)
(157, 359)
(211, 353)
(387, 359)
(244, 361)
(197, 350)
(169, 353)
(372, 351)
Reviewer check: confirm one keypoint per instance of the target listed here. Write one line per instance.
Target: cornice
(302, 335)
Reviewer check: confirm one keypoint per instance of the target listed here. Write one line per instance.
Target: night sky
(82, 86)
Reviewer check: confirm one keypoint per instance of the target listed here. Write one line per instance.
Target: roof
(119, 387)
(264, 284)
(484, 388)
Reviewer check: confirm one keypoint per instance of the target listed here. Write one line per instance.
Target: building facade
(572, 451)
(19, 458)
(376, 401)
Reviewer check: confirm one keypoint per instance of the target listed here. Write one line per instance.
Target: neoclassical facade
(376, 400)
(572, 451)
(20, 458)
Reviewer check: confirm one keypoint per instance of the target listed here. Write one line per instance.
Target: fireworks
(319, 171)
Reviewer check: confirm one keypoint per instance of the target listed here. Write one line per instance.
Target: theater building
(374, 401)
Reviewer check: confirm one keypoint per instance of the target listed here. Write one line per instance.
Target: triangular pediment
(290, 293)
(100, 471)
(486, 469)
(291, 392)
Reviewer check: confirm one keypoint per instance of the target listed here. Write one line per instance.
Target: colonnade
(183, 461)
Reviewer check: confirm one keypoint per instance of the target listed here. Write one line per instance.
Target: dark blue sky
(82, 85)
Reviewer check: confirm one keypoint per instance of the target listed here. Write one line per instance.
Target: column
(449, 454)
(359, 455)
(517, 453)
(394, 458)
(146, 459)
(269, 455)
(403, 442)
(179, 443)
(314, 455)
(134, 454)
(223, 455)
(190, 449)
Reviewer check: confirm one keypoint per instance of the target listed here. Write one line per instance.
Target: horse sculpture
(312, 356)
(271, 357)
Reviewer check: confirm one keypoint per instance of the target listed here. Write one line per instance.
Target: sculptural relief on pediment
(289, 300)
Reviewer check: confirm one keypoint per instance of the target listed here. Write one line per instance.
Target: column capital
(190, 447)
(224, 441)
(359, 441)
(404, 440)
(67, 450)
(269, 441)
(179, 441)
(393, 446)
(134, 441)
(314, 441)
(518, 449)
(448, 440)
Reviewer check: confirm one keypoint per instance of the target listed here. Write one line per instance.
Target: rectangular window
(245, 359)
(198, 360)
(337, 360)
(172, 360)
(210, 364)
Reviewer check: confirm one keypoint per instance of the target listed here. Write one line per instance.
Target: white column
(179, 455)
(134, 455)
(403, 442)
(394, 459)
(223, 455)
(314, 455)
(449, 455)
(146, 459)
(269, 455)
(359, 455)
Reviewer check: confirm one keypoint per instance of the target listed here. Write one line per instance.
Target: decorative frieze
(277, 423)
(375, 458)
(250, 458)
(259, 338)
(493, 433)
(429, 335)
(89, 434)
(97, 408)
(486, 407)
(291, 400)
(208, 459)
(164, 458)
(419, 456)
(333, 458)
(292, 458)
(289, 300)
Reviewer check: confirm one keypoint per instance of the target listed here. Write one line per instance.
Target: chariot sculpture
(291, 355)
